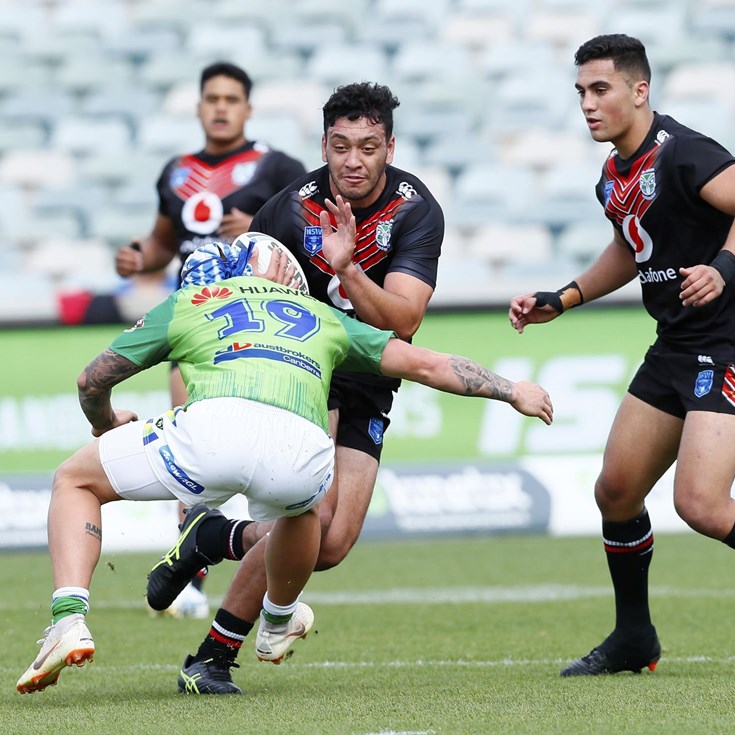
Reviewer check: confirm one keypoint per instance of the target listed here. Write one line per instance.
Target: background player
(669, 193)
(254, 424)
(210, 195)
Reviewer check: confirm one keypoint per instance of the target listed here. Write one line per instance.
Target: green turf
(461, 636)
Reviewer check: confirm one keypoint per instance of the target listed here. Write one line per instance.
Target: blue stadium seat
(86, 134)
(583, 241)
(335, 64)
(486, 192)
(430, 59)
(16, 134)
(80, 201)
(34, 168)
(213, 41)
(43, 104)
(168, 136)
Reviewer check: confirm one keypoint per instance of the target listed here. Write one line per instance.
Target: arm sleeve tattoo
(96, 383)
(479, 381)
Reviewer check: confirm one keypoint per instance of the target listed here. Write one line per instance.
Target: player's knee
(328, 559)
(332, 551)
(65, 476)
(700, 516)
(609, 494)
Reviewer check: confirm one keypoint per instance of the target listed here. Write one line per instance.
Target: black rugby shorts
(677, 382)
(363, 414)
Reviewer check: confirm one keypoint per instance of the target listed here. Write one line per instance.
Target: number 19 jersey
(250, 338)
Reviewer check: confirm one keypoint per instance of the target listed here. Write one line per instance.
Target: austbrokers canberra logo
(208, 293)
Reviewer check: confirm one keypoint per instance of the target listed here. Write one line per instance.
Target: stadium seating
(82, 135)
(93, 102)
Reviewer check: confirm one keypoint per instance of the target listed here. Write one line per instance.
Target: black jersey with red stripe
(653, 199)
(195, 190)
(401, 232)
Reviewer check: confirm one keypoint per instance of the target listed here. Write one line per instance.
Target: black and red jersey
(653, 199)
(401, 232)
(195, 190)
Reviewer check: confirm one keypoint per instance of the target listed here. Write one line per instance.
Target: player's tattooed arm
(465, 377)
(95, 385)
(479, 381)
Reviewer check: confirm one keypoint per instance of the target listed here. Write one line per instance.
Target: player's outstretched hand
(122, 416)
(129, 260)
(701, 285)
(523, 311)
(338, 243)
(531, 399)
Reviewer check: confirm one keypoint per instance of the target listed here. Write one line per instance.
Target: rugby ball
(266, 246)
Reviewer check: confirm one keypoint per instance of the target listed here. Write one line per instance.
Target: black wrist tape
(563, 299)
(724, 264)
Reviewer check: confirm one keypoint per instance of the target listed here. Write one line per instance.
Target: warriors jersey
(401, 232)
(196, 190)
(247, 337)
(653, 199)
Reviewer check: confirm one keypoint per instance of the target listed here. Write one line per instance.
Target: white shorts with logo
(220, 447)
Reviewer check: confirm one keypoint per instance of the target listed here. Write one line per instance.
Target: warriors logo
(382, 234)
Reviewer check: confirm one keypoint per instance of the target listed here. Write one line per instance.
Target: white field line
(429, 596)
(418, 664)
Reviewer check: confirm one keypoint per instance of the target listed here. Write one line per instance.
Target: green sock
(275, 619)
(64, 606)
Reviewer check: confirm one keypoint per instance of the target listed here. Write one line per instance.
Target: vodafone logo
(202, 213)
(638, 238)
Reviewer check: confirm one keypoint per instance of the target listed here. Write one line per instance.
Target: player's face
(611, 103)
(223, 110)
(357, 153)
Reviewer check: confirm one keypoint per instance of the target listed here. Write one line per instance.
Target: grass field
(454, 636)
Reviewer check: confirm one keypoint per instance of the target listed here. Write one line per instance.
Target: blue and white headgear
(216, 261)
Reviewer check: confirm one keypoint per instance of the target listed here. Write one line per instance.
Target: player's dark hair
(226, 69)
(362, 99)
(628, 54)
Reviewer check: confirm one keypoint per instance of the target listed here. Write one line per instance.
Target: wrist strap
(565, 298)
(724, 264)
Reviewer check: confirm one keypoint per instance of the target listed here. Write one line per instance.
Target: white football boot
(68, 643)
(274, 641)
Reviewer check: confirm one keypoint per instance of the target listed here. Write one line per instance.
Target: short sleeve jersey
(401, 232)
(250, 338)
(196, 190)
(653, 199)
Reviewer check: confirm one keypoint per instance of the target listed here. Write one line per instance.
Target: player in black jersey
(669, 193)
(385, 278)
(211, 195)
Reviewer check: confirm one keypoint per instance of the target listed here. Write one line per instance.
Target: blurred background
(95, 97)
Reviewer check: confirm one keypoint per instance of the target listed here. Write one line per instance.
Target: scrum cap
(216, 261)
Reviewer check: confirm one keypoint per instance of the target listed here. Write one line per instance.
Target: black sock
(629, 548)
(224, 638)
(221, 538)
(729, 540)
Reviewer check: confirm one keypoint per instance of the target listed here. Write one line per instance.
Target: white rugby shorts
(220, 447)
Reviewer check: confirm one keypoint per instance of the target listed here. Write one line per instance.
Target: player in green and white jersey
(257, 358)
